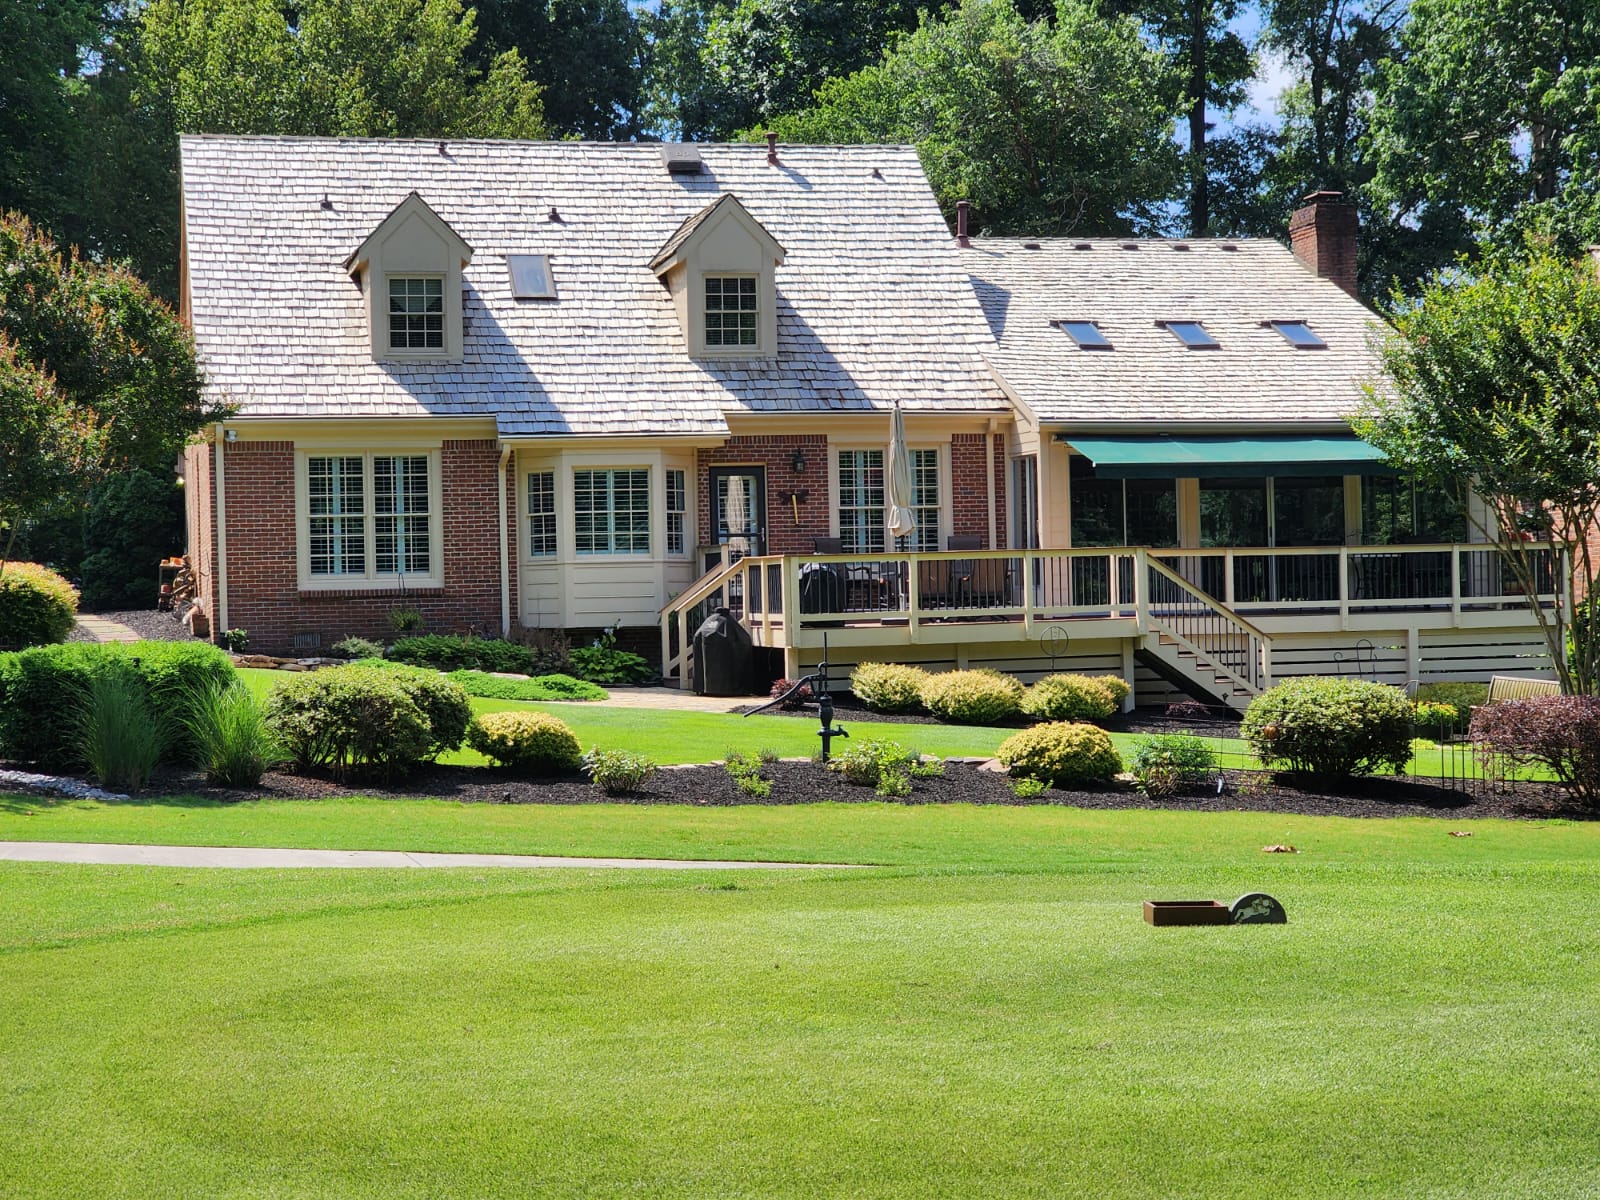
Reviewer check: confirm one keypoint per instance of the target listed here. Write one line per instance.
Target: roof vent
(1083, 245)
(1130, 245)
(1031, 246)
(1180, 245)
(1227, 246)
(682, 158)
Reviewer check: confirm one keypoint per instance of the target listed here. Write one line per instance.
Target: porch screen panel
(611, 512)
(1308, 510)
(1233, 512)
(1097, 514)
(861, 527)
(1152, 512)
(400, 514)
(1025, 500)
(925, 500)
(336, 520)
(1395, 511)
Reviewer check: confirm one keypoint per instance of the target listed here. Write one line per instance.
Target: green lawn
(988, 1018)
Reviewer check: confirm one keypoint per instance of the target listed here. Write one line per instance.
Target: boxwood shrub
(356, 720)
(1061, 754)
(43, 692)
(1333, 728)
(980, 697)
(37, 606)
(526, 741)
(888, 687)
(1070, 698)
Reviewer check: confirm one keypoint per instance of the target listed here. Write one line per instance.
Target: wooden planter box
(1187, 912)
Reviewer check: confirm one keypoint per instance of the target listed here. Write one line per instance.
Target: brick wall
(775, 452)
(263, 588)
(969, 495)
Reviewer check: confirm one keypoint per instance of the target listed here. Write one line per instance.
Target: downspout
(219, 504)
(505, 551)
(988, 481)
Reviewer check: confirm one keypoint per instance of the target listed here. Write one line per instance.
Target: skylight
(1299, 335)
(1086, 333)
(1192, 334)
(530, 277)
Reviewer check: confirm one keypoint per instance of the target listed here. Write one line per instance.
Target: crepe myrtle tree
(1493, 375)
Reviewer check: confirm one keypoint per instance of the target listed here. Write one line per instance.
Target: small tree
(1494, 377)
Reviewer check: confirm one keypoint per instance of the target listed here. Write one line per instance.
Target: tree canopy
(1045, 126)
(1495, 378)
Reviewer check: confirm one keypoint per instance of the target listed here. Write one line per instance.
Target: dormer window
(416, 313)
(731, 310)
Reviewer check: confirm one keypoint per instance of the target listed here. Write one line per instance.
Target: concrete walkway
(672, 698)
(101, 630)
(113, 854)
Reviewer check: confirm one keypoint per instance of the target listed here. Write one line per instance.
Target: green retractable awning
(1158, 457)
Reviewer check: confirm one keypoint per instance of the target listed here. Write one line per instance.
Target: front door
(739, 509)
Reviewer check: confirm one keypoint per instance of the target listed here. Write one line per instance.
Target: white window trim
(764, 297)
(526, 515)
(946, 484)
(370, 580)
(418, 353)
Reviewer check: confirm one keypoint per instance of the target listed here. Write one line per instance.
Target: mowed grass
(990, 1017)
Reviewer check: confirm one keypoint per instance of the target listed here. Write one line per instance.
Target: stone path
(672, 698)
(114, 854)
(98, 629)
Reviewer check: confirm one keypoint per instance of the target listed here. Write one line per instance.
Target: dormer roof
(677, 247)
(412, 206)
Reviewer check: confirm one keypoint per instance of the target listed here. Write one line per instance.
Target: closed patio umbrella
(897, 492)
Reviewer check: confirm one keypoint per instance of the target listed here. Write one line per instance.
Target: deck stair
(685, 612)
(1197, 644)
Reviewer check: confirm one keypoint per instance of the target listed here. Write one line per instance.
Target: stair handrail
(674, 610)
(1259, 658)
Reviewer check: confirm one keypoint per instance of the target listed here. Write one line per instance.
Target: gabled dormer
(409, 270)
(719, 266)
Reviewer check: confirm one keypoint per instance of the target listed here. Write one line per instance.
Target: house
(562, 385)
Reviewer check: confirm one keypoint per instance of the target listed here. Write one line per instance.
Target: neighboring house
(563, 385)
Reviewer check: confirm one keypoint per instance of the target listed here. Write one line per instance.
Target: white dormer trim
(412, 242)
(721, 240)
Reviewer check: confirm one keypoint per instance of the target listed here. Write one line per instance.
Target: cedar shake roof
(1149, 377)
(873, 303)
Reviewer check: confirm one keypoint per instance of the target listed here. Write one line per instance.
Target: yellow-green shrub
(981, 697)
(1070, 698)
(37, 606)
(1115, 684)
(1061, 753)
(888, 687)
(526, 741)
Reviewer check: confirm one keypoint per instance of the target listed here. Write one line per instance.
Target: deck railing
(1180, 613)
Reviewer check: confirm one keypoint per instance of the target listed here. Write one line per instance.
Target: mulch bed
(847, 708)
(805, 783)
(150, 624)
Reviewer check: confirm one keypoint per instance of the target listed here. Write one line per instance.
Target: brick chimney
(1323, 234)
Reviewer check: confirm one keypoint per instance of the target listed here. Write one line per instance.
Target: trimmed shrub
(356, 648)
(1061, 753)
(1561, 732)
(888, 687)
(972, 697)
(541, 687)
(43, 691)
(352, 720)
(1165, 764)
(447, 652)
(1462, 697)
(1334, 728)
(526, 741)
(228, 729)
(617, 772)
(37, 606)
(1070, 698)
(123, 734)
(1434, 717)
(1119, 687)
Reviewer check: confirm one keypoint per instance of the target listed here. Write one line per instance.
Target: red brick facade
(785, 534)
(264, 597)
(969, 497)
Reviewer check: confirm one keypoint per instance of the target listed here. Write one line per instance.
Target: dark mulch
(1151, 720)
(150, 624)
(804, 783)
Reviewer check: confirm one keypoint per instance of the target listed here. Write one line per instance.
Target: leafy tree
(585, 55)
(1044, 127)
(134, 520)
(1210, 67)
(99, 372)
(1490, 106)
(1495, 378)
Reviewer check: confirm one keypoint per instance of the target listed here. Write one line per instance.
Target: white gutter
(505, 552)
(219, 508)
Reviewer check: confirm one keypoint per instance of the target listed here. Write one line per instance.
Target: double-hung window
(677, 506)
(369, 518)
(730, 311)
(416, 313)
(861, 525)
(541, 514)
(611, 512)
(925, 500)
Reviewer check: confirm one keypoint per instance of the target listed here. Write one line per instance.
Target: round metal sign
(1258, 908)
(1054, 641)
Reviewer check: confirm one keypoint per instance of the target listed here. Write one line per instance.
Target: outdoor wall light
(230, 435)
(797, 464)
